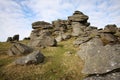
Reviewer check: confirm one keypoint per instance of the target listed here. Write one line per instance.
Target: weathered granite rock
(78, 21)
(34, 58)
(80, 40)
(78, 29)
(9, 39)
(42, 39)
(60, 25)
(63, 36)
(99, 59)
(78, 17)
(41, 25)
(111, 28)
(108, 38)
(109, 76)
(19, 49)
(16, 37)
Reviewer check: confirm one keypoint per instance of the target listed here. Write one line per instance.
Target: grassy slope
(58, 64)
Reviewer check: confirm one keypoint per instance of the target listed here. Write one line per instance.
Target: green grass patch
(61, 63)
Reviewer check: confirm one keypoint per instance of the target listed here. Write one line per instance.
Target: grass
(58, 64)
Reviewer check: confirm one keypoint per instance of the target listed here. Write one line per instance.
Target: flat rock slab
(99, 59)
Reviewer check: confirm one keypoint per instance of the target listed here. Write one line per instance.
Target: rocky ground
(64, 50)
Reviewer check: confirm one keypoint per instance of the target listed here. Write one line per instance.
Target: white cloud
(16, 16)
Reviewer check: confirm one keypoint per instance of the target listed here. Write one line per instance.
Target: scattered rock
(34, 58)
(19, 49)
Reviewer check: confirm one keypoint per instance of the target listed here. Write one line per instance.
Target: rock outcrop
(19, 49)
(42, 36)
(79, 22)
(35, 57)
(99, 59)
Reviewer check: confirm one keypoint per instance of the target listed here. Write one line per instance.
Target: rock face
(96, 55)
(42, 38)
(79, 22)
(34, 58)
(99, 59)
(42, 35)
(19, 49)
(62, 36)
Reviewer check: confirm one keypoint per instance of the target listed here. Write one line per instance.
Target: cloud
(16, 16)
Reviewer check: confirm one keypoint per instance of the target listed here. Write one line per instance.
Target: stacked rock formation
(41, 36)
(79, 22)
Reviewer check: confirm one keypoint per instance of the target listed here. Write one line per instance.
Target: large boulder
(34, 58)
(111, 28)
(99, 59)
(78, 17)
(19, 49)
(41, 24)
(108, 38)
(16, 37)
(9, 39)
(42, 38)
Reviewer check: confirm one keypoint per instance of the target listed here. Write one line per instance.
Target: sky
(16, 16)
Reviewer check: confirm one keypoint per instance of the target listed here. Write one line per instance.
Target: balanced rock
(19, 49)
(78, 17)
(34, 58)
(99, 59)
(78, 22)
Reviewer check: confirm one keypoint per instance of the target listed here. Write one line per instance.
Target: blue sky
(16, 16)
